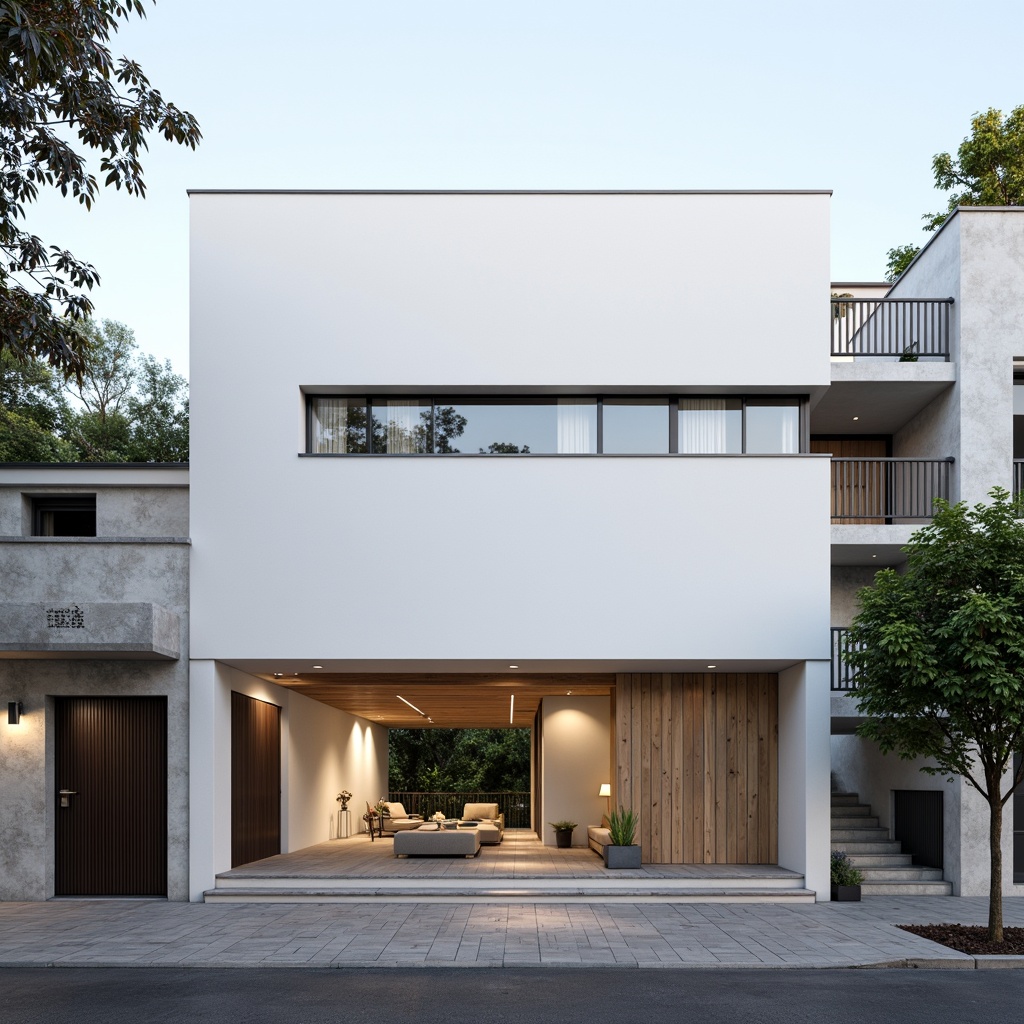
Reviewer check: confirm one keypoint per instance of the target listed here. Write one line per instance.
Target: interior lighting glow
(413, 706)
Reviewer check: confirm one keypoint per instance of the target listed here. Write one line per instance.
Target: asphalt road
(489, 996)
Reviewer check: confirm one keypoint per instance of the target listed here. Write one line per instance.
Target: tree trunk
(995, 885)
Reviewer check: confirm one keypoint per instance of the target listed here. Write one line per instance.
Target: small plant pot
(563, 838)
(846, 893)
(622, 856)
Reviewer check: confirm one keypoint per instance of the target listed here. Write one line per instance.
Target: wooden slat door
(860, 488)
(111, 838)
(255, 779)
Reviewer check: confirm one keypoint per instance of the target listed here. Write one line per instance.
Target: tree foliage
(939, 655)
(459, 760)
(988, 170)
(124, 408)
(62, 94)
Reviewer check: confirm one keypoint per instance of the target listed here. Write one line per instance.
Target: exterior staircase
(886, 869)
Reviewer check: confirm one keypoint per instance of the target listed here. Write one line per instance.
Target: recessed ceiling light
(568, 693)
(513, 666)
(278, 675)
(318, 666)
(874, 556)
(855, 418)
(712, 666)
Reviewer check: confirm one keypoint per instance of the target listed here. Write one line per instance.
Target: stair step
(854, 835)
(880, 860)
(456, 894)
(853, 847)
(850, 810)
(854, 822)
(906, 889)
(842, 799)
(905, 874)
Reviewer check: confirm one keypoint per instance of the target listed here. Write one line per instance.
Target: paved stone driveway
(143, 933)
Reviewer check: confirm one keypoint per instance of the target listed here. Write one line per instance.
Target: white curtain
(703, 426)
(577, 426)
(789, 442)
(402, 425)
(330, 420)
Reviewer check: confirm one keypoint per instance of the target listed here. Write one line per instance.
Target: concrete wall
(67, 571)
(323, 751)
(576, 757)
(804, 802)
(859, 767)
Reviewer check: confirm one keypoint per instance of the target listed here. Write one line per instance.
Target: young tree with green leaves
(62, 94)
(988, 170)
(939, 656)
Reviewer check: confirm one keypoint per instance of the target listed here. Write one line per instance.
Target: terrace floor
(520, 867)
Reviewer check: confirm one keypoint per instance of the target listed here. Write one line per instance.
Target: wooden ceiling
(451, 701)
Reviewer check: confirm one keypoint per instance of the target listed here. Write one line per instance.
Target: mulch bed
(970, 938)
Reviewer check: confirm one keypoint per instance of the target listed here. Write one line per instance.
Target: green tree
(988, 170)
(33, 413)
(459, 760)
(62, 94)
(939, 654)
(899, 259)
(158, 413)
(989, 166)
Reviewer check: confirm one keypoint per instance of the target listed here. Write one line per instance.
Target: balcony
(885, 490)
(898, 329)
(844, 675)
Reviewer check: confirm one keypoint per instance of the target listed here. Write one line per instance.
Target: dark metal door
(111, 781)
(255, 779)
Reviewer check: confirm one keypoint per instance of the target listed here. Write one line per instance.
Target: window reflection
(338, 425)
(635, 426)
(544, 426)
(773, 427)
(401, 426)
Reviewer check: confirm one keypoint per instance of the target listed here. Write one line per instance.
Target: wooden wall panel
(697, 758)
(255, 779)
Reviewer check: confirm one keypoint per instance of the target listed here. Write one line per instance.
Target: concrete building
(511, 458)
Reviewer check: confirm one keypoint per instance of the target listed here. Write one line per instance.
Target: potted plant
(563, 833)
(846, 879)
(622, 852)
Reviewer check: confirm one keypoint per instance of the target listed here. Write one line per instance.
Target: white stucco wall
(576, 759)
(323, 750)
(804, 798)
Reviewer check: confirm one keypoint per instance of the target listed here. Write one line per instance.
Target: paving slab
(141, 933)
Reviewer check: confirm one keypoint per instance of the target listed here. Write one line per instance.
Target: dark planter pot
(563, 838)
(846, 893)
(622, 856)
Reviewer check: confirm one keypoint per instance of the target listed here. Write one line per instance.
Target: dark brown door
(111, 759)
(255, 779)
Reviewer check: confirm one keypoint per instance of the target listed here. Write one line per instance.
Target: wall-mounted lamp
(14, 712)
(606, 791)
(512, 710)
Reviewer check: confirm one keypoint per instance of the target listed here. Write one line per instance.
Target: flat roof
(513, 191)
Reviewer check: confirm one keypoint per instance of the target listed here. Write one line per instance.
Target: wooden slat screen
(697, 758)
(255, 779)
(111, 839)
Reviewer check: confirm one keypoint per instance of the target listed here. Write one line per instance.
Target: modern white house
(516, 458)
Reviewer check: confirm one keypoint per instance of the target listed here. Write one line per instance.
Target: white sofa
(397, 820)
(487, 814)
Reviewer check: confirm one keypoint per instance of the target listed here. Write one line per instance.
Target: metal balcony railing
(905, 329)
(1018, 476)
(844, 675)
(514, 804)
(886, 490)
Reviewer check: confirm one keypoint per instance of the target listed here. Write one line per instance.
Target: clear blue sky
(545, 94)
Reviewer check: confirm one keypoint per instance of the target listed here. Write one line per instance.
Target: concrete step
(906, 889)
(879, 860)
(854, 821)
(850, 810)
(845, 799)
(854, 847)
(455, 894)
(904, 874)
(858, 835)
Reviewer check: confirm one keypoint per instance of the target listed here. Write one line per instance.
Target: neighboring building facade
(510, 458)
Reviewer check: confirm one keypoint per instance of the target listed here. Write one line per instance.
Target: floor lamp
(606, 791)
